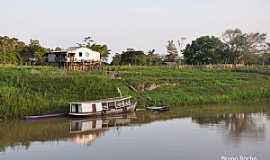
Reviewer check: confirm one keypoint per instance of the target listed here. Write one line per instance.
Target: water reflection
(234, 127)
(86, 131)
(82, 131)
(237, 125)
(249, 124)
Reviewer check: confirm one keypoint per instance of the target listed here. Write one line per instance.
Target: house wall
(87, 55)
(51, 58)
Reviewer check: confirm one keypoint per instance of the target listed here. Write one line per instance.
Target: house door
(94, 108)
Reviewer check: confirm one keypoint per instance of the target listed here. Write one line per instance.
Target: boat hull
(45, 116)
(128, 109)
(158, 109)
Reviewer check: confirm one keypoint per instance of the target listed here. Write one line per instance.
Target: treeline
(134, 57)
(233, 47)
(14, 51)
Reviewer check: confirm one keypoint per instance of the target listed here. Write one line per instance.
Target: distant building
(73, 54)
(170, 63)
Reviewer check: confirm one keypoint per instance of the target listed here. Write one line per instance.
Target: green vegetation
(172, 55)
(33, 53)
(39, 90)
(205, 50)
(134, 57)
(196, 86)
(13, 51)
(234, 47)
(10, 49)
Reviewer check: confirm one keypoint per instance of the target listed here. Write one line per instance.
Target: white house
(73, 54)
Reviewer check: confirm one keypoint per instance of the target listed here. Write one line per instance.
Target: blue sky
(140, 24)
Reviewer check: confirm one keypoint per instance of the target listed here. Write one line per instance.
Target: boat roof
(106, 100)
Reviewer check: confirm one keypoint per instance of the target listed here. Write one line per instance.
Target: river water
(197, 134)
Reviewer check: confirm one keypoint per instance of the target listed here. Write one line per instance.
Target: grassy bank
(38, 90)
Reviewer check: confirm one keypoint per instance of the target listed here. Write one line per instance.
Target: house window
(86, 54)
(80, 54)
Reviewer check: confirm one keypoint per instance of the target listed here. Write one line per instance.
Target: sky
(121, 24)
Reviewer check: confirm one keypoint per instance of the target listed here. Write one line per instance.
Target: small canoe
(45, 116)
(158, 108)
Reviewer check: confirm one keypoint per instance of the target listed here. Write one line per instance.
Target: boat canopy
(109, 100)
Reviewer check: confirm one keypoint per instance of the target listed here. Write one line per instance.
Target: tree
(9, 58)
(10, 49)
(104, 51)
(172, 52)
(266, 54)
(234, 42)
(58, 49)
(130, 57)
(204, 50)
(116, 59)
(133, 57)
(88, 41)
(33, 52)
(152, 58)
(181, 46)
(238, 45)
(266, 59)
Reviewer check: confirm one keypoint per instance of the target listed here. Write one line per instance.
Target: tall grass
(32, 91)
(40, 90)
(178, 87)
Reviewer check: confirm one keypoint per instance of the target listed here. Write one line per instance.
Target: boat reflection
(87, 130)
(84, 125)
(22, 134)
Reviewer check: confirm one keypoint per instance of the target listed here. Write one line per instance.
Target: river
(203, 133)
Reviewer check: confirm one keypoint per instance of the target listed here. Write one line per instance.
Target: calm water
(197, 134)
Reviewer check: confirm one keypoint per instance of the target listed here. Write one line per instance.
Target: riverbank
(40, 90)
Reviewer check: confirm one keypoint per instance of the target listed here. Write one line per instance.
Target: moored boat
(109, 106)
(158, 108)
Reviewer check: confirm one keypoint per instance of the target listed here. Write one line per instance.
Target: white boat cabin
(100, 105)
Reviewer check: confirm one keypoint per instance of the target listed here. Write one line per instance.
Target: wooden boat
(45, 116)
(157, 108)
(109, 106)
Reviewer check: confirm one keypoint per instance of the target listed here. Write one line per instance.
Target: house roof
(73, 48)
(70, 49)
(55, 52)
